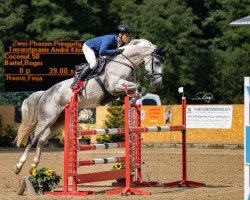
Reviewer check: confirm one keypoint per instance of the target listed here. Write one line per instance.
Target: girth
(107, 95)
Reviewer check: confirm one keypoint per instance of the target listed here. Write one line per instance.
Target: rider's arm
(108, 47)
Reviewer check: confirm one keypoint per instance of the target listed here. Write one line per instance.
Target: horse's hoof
(16, 170)
(31, 168)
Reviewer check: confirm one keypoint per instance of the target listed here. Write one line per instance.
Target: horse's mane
(141, 42)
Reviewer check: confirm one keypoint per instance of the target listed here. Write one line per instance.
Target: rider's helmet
(124, 29)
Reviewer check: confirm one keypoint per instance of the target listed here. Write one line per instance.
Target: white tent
(245, 21)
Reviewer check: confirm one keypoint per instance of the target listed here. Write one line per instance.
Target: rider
(102, 46)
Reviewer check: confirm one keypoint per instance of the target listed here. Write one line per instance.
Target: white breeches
(90, 56)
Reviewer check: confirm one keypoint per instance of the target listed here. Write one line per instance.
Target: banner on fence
(152, 115)
(209, 116)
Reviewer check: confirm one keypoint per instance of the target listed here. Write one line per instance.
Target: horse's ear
(158, 49)
(161, 50)
(164, 51)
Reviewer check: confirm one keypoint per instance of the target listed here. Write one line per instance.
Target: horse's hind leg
(40, 128)
(22, 160)
(40, 143)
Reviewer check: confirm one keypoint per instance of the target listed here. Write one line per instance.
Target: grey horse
(41, 110)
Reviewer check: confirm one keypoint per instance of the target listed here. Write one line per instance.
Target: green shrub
(7, 139)
(114, 119)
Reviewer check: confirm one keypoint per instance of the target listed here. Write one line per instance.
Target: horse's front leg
(140, 91)
(134, 89)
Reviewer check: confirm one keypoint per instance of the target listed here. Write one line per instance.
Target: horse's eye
(157, 63)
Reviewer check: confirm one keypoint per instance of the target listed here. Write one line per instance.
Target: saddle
(95, 75)
(96, 72)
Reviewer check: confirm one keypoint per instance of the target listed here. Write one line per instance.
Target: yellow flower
(34, 172)
(119, 165)
(50, 172)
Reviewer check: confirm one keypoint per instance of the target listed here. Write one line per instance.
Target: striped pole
(132, 129)
(101, 161)
(101, 146)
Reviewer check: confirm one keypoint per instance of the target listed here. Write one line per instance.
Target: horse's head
(142, 52)
(154, 65)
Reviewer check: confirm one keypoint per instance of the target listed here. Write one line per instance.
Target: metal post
(66, 151)
(184, 181)
(127, 143)
(184, 143)
(137, 144)
(128, 188)
(73, 121)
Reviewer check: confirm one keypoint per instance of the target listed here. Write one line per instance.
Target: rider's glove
(119, 51)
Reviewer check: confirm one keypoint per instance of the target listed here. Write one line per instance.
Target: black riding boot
(85, 72)
(82, 75)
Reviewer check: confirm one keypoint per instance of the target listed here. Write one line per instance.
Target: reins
(134, 68)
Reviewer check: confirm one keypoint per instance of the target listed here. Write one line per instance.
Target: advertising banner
(209, 116)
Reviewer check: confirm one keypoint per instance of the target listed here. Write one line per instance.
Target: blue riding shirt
(103, 45)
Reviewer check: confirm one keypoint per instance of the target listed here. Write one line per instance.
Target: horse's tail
(29, 118)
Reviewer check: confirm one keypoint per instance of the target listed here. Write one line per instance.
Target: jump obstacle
(132, 172)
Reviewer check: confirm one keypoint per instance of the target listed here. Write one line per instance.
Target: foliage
(115, 119)
(10, 98)
(8, 138)
(102, 139)
(86, 138)
(171, 24)
(58, 134)
(204, 53)
(44, 179)
(10, 131)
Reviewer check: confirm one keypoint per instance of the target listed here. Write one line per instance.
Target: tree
(11, 23)
(171, 24)
(204, 53)
(230, 49)
(40, 20)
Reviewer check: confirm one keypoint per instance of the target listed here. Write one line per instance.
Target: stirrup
(74, 83)
(81, 85)
(80, 89)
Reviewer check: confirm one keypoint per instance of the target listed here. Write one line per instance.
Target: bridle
(152, 75)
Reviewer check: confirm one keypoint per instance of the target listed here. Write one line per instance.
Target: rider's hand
(102, 58)
(119, 51)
